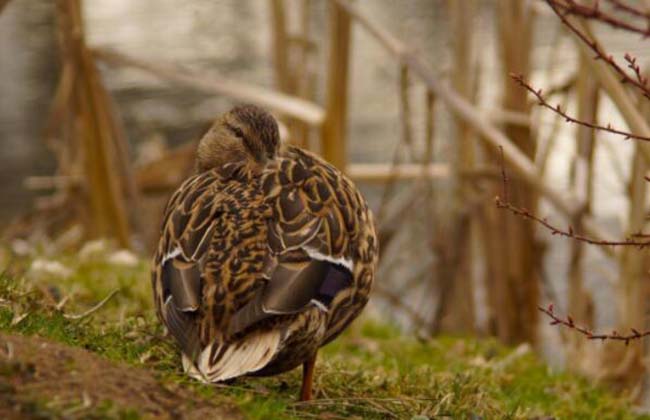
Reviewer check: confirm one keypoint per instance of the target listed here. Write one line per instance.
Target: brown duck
(265, 255)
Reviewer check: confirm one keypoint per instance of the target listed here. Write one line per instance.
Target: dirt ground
(43, 379)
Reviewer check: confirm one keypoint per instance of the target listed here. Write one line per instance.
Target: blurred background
(102, 104)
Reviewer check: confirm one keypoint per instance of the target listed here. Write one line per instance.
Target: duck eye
(236, 131)
(239, 133)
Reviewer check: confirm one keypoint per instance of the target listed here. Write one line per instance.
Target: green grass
(373, 371)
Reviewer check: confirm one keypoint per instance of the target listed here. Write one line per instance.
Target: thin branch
(569, 232)
(632, 10)
(569, 323)
(571, 7)
(632, 64)
(487, 132)
(596, 48)
(558, 110)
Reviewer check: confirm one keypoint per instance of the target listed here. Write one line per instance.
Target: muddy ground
(40, 378)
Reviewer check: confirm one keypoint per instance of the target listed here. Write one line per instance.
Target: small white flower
(93, 250)
(21, 247)
(123, 257)
(43, 267)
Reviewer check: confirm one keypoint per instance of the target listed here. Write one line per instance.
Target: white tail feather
(191, 370)
(248, 355)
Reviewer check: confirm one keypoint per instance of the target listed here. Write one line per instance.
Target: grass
(373, 371)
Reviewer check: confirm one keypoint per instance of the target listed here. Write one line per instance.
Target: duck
(266, 254)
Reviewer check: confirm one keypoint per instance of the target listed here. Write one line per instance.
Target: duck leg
(307, 378)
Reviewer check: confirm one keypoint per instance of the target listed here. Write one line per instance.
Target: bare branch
(632, 10)
(594, 12)
(558, 110)
(632, 64)
(560, 9)
(569, 232)
(569, 323)
(627, 8)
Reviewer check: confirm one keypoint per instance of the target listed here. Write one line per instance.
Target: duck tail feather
(222, 361)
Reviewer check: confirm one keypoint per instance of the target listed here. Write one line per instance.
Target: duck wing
(191, 218)
(312, 233)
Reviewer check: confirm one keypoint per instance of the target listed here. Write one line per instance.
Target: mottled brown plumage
(266, 254)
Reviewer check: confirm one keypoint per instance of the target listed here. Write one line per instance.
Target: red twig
(556, 5)
(564, 8)
(569, 232)
(632, 64)
(627, 8)
(558, 110)
(594, 12)
(614, 335)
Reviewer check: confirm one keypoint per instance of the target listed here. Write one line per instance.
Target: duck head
(246, 133)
